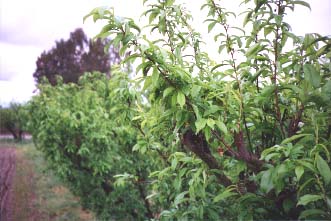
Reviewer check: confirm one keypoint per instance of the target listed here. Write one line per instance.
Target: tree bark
(198, 145)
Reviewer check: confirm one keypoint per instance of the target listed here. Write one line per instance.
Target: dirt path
(17, 195)
(7, 174)
(27, 194)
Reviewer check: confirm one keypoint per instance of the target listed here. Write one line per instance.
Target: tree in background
(71, 58)
(12, 120)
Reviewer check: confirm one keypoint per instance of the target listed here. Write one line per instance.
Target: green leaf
(174, 100)
(178, 54)
(312, 75)
(217, 66)
(268, 30)
(123, 49)
(180, 198)
(195, 90)
(322, 50)
(225, 194)
(324, 169)
(211, 110)
(295, 137)
(308, 198)
(134, 26)
(284, 39)
(131, 58)
(155, 76)
(247, 18)
(253, 50)
(270, 156)
(116, 41)
(147, 83)
(169, 2)
(174, 163)
(153, 15)
(181, 99)
(211, 26)
(200, 124)
(278, 19)
(162, 24)
(207, 132)
(196, 111)
(151, 195)
(282, 169)
(167, 91)
(268, 90)
(308, 165)
(127, 38)
(211, 123)
(321, 147)
(306, 4)
(266, 181)
(326, 90)
(143, 65)
(267, 152)
(311, 212)
(220, 49)
(299, 170)
(221, 126)
(181, 38)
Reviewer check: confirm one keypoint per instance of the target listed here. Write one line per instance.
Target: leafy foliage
(91, 143)
(71, 58)
(246, 138)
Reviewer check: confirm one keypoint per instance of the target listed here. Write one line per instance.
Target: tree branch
(253, 162)
(198, 145)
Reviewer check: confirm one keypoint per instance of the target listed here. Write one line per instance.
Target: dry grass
(24, 207)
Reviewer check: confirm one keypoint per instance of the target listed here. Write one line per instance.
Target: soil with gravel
(7, 174)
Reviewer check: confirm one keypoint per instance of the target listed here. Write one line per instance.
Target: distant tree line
(12, 120)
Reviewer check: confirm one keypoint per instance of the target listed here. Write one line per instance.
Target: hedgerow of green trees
(245, 137)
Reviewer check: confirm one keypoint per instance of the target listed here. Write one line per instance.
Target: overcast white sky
(30, 27)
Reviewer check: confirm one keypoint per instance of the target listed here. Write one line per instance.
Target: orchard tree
(257, 130)
(71, 58)
(86, 133)
(244, 137)
(12, 120)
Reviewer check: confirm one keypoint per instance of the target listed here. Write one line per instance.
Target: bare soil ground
(17, 194)
(7, 173)
(27, 194)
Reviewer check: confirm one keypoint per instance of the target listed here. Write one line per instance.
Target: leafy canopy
(246, 137)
